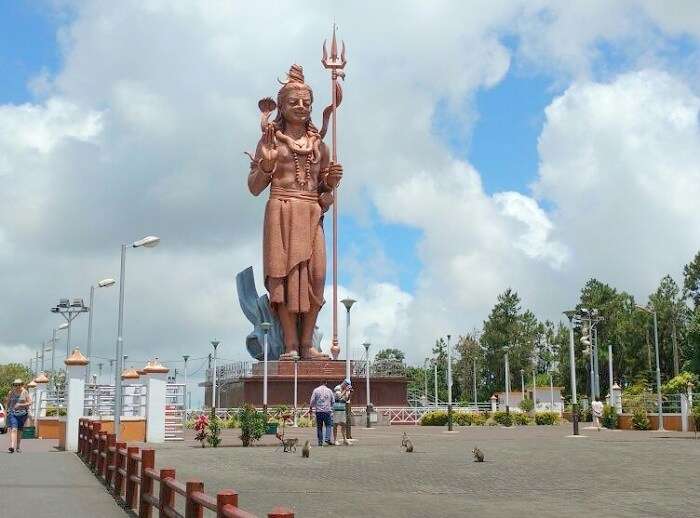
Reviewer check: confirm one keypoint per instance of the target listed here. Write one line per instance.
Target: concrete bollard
(493, 404)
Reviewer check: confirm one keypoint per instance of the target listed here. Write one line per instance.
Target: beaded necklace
(302, 178)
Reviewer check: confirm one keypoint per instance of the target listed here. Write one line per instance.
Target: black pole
(574, 417)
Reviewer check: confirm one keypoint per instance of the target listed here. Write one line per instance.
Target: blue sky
(27, 46)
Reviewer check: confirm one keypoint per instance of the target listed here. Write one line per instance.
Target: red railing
(131, 474)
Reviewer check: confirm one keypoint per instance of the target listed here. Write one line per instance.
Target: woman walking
(18, 403)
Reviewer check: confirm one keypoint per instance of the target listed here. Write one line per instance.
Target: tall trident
(336, 65)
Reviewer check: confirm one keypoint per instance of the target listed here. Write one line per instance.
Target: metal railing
(235, 371)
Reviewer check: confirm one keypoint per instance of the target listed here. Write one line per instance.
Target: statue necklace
(303, 174)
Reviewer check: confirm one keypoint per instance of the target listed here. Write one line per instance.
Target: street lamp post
(476, 399)
(70, 311)
(214, 388)
(104, 283)
(507, 384)
(522, 383)
(572, 360)
(53, 353)
(296, 374)
(186, 357)
(348, 408)
(148, 242)
(610, 372)
(551, 390)
(658, 367)
(436, 385)
(449, 383)
(366, 346)
(266, 328)
(425, 375)
(534, 390)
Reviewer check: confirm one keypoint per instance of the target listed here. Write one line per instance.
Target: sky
(486, 145)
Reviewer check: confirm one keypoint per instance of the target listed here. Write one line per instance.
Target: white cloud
(143, 128)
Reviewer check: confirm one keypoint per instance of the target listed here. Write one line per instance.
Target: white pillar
(617, 398)
(684, 412)
(493, 404)
(156, 380)
(76, 365)
(41, 381)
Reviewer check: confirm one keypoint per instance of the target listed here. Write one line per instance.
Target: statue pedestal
(384, 390)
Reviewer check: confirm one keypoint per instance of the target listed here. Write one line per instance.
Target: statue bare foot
(290, 356)
(309, 353)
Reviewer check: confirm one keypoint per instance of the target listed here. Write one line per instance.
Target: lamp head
(215, 343)
(348, 303)
(265, 326)
(148, 242)
(366, 346)
(105, 283)
(62, 326)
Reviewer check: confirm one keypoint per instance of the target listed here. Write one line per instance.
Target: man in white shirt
(321, 403)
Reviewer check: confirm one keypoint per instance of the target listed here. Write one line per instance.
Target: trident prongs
(335, 62)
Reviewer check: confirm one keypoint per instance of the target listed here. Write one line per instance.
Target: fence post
(109, 459)
(94, 447)
(101, 443)
(280, 512)
(192, 508)
(166, 496)
(131, 469)
(118, 478)
(223, 499)
(148, 460)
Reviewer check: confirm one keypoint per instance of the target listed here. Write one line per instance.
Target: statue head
(294, 99)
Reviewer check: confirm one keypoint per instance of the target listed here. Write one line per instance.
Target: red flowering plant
(201, 425)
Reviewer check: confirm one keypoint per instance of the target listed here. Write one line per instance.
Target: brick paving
(529, 471)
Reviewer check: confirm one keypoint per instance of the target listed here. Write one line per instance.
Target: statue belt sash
(280, 193)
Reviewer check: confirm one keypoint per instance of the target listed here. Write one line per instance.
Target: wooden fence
(131, 475)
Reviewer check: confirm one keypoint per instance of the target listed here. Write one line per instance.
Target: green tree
(8, 373)
(691, 280)
(390, 354)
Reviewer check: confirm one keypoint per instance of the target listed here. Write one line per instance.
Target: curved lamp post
(658, 367)
(147, 242)
(266, 329)
(104, 283)
(348, 407)
(366, 345)
(571, 315)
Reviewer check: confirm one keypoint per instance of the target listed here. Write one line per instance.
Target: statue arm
(258, 179)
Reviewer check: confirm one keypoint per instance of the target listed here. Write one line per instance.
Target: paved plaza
(529, 471)
(42, 481)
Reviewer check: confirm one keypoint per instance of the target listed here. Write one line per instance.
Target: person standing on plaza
(342, 394)
(321, 403)
(17, 403)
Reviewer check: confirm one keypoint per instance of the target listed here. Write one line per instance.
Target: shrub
(462, 418)
(680, 384)
(640, 421)
(609, 418)
(54, 411)
(527, 405)
(490, 421)
(214, 429)
(200, 425)
(252, 424)
(434, 418)
(503, 418)
(189, 424)
(305, 422)
(546, 418)
(231, 422)
(695, 412)
(479, 419)
(521, 419)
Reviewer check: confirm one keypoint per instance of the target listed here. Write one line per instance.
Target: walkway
(42, 481)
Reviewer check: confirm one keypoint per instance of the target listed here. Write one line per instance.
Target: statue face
(296, 106)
